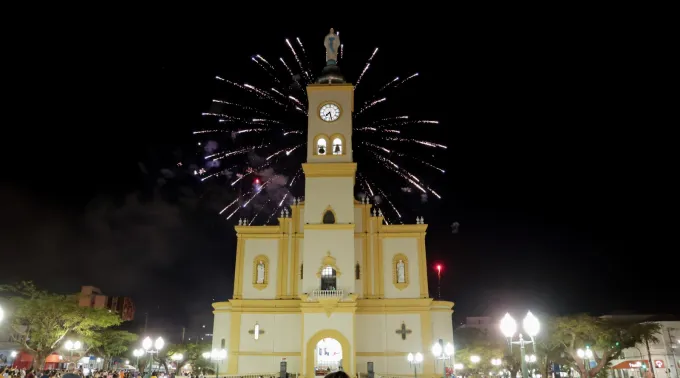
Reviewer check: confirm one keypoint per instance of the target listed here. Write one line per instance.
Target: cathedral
(332, 286)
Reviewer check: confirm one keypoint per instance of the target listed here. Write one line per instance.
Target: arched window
(222, 343)
(321, 146)
(328, 278)
(337, 146)
(302, 271)
(328, 217)
(357, 271)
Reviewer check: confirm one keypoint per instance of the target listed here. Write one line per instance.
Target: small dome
(331, 75)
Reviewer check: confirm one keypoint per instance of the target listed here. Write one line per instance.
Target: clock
(329, 112)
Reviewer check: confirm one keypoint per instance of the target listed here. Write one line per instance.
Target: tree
(646, 332)
(110, 343)
(473, 342)
(606, 338)
(192, 354)
(44, 319)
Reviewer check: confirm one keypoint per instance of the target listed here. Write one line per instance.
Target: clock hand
(328, 114)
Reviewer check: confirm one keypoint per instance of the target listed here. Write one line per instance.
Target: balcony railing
(328, 293)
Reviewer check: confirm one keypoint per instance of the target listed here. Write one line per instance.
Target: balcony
(322, 294)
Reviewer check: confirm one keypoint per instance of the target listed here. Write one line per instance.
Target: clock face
(329, 112)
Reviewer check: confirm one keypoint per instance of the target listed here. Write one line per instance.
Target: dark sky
(553, 172)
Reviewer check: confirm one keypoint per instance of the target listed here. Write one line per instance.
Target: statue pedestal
(331, 74)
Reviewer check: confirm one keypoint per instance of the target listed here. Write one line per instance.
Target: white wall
(266, 364)
(221, 327)
(377, 333)
(359, 219)
(408, 247)
(281, 333)
(253, 248)
(442, 326)
(337, 192)
(317, 243)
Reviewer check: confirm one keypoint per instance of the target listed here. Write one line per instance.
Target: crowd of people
(9, 372)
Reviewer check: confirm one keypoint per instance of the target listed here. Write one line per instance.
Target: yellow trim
(321, 105)
(363, 306)
(328, 260)
(381, 266)
(265, 260)
(258, 229)
(335, 216)
(234, 343)
(395, 261)
(328, 170)
(347, 353)
(376, 261)
(280, 288)
(422, 267)
(343, 146)
(274, 354)
(295, 271)
(325, 137)
(332, 226)
(401, 228)
(238, 270)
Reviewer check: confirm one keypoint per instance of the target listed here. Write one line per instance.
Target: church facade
(332, 285)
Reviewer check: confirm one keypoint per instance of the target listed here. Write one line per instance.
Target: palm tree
(647, 332)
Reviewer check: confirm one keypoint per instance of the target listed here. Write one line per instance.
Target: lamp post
(530, 359)
(216, 355)
(71, 346)
(152, 348)
(531, 327)
(13, 354)
(585, 355)
(2, 314)
(415, 360)
(177, 357)
(442, 352)
(138, 353)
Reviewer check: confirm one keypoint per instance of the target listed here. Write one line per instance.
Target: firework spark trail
(423, 142)
(265, 68)
(292, 132)
(435, 193)
(259, 211)
(297, 59)
(392, 131)
(260, 190)
(249, 172)
(278, 93)
(248, 131)
(293, 149)
(264, 121)
(406, 175)
(304, 52)
(223, 154)
(209, 131)
(407, 79)
(286, 150)
(265, 61)
(231, 82)
(297, 174)
(287, 68)
(377, 147)
(296, 101)
(388, 84)
(420, 160)
(240, 106)
(262, 94)
(368, 64)
(390, 202)
(371, 104)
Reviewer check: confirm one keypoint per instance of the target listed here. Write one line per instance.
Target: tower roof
(331, 75)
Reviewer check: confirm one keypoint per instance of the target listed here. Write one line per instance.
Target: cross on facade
(403, 331)
(256, 331)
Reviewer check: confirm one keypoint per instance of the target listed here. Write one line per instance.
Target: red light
(257, 181)
(439, 268)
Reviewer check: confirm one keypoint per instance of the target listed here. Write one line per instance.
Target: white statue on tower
(260, 272)
(332, 43)
(401, 275)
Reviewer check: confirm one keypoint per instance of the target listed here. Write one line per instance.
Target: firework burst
(260, 132)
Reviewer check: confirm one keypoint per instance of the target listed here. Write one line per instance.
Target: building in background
(92, 297)
(9, 346)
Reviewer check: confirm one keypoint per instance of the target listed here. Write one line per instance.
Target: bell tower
(329, 179)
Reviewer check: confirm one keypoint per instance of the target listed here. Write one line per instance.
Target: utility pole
(183, 329)
(146, 320)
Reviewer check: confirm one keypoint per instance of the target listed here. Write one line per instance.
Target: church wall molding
(330, 226)
(258, 229)
(329, 170)
(401, 228)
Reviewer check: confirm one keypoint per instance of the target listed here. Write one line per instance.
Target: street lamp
(586, 355)
(2, 314)
(71, 346)
(531, 327)
(442, 352)
(152, 347)
(475, 359)
(216, 355)
(415, 360)
(138, 353)
(496, 362)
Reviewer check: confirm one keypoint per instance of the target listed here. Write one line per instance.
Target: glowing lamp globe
(458, 367)
(419, 357)
(508, 325)
(531, 324)
(410, 357)
(177, 356)
(448, 349)
(2, 313)
(159, 343)
(437, 349)
(580, 353)
(475, 359)
(206, 355)
(77, 345)
(13, 354)
(147, 343)
(68, 345)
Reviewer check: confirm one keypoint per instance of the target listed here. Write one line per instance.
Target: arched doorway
(338, 348)
(327, 356)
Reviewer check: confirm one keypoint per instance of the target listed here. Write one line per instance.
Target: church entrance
(327, 356)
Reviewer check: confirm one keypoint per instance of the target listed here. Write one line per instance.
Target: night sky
(561, 188)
